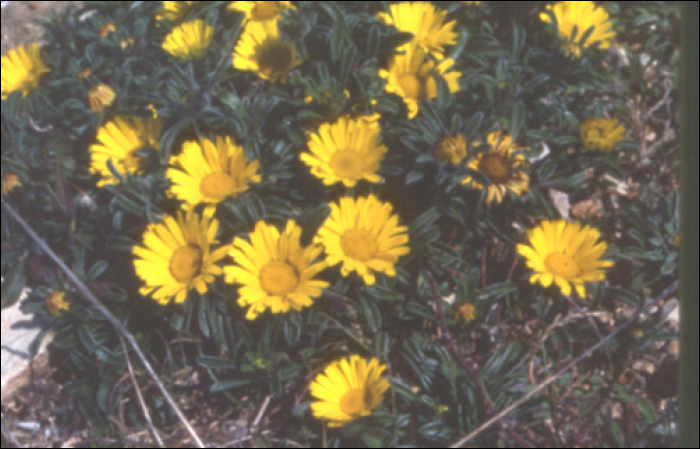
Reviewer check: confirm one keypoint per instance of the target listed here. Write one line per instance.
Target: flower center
(353, 402)
(346, 164)
(218, 186)
(359, 245)
(413, 87)
(186, 263)
(265, 10)
(495, 167)
(278, 278)
(275, 59)
(563, 265)
(133, 163)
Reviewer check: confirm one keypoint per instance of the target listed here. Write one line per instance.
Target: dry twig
(142, 403)
(118, 326)
(669, 291)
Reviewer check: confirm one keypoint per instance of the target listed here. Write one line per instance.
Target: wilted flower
(107, 29)
(56, 303)
(451, 149)
(10, 182)
(100, 97)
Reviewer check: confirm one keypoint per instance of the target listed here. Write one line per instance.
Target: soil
(18, 26)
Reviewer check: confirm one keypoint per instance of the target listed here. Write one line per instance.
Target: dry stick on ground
(118, 326)
(142, 403)
(666, 293)
(470, 368)
(9, 436)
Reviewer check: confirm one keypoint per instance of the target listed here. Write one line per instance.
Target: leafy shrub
(261, 190)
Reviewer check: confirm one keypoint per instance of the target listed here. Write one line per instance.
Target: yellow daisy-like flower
(581, 15)
(190, 40)
(9, 183)
(501, 166)
(602, 134)
(346, 151)
(275, 271)
(120, 140)
(348, 389)
(176, 257)
(260, 11)
(174, 11)
(565, 254)
(365, 236)
(425, 22)
(22, 68)
(451, 149)
(208, 172)
(260, 50)
(409, 76)
(56, 303)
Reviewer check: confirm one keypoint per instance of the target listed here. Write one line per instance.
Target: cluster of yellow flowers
(272, 269)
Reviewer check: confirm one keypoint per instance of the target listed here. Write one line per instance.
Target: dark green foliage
(514, 78)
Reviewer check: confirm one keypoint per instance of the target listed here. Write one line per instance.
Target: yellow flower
(346, 151)
(275, 271)
(466, 311)
(451, 149)
(174, 11)
(21, 69)
(348, 389)
(501, 169)
(582, 16)
(56, 303)
(565, 254)
(10, 182)
(260, 11)
(425, 22)
(409, 76)
(107, 29)
(208, 172)
(127, 43)
(176, 257)
(260, 50)
(190, 40)
(602, 134)
(100, 97)
(365, 236)
(120, 140)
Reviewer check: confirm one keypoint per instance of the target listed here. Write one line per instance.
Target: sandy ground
(18, 24)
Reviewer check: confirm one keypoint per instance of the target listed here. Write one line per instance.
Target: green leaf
(226, 385)
(215, 363)
(14, 283)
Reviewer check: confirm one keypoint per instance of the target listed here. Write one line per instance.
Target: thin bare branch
(118, 326)
(142, 403)
(9, 436)
(499, 416)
